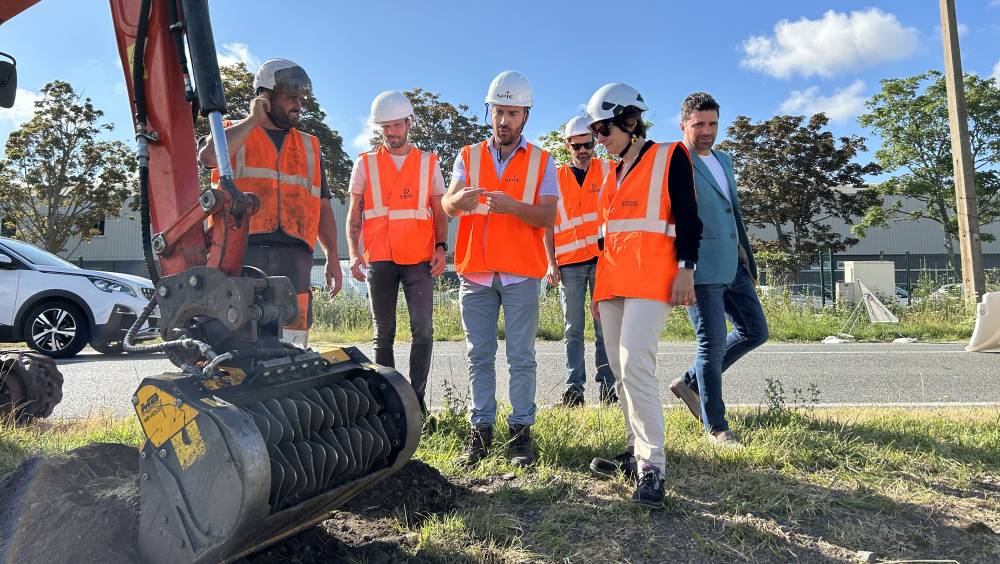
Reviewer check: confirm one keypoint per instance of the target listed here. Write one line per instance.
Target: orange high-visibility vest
(575, 231)
(398, 220)
(288, 185)
(639, 260)
(497, 242)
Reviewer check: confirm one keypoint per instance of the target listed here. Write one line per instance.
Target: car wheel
(57, 329)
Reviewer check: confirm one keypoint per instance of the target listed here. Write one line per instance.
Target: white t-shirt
(720, 175)
(359, 176)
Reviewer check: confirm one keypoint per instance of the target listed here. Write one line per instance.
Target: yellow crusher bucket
(237, 462)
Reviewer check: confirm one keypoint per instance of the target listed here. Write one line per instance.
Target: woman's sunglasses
(601, 128)
(577, 146)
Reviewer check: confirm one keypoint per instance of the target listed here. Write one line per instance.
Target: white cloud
(362, 141)
(996, 71)
(835, 43)
(233, 53)
(24, 108)
(844, 104)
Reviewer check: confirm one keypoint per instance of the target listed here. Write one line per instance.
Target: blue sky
(757, 58)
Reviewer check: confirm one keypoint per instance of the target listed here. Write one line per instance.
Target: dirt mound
(84, 507)
(365, 529)
(79, 507)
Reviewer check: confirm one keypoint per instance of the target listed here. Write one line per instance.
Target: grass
(812, 485)
(347, 319)
(20, 441)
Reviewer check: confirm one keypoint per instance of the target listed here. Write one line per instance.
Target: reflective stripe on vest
(241, 170)
(397, 228)
(652, 222)
(639, 259)
(493, 242)
(575, 233)
(288, 184)
(379, 209)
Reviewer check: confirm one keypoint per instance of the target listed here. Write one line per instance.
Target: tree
(57, 181)
(911, 117)
(793, 174)
(440, 127)
(238, 83)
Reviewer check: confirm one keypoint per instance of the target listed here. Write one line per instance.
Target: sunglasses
(577, 146)
(602, 128)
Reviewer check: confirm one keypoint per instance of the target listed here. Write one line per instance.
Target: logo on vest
(405, 194)
(512, 179)
(594, 188)
(630, 203)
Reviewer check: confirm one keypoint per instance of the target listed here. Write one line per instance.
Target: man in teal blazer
(724, 278)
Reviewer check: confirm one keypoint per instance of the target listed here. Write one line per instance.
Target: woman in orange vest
(651, 232)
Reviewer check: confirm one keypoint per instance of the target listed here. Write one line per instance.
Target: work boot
(609, 396)
(609, 468)
(690, 397)
(520, 451)
(572, 397)
(726, 439)
(477, 447)
(649, 488)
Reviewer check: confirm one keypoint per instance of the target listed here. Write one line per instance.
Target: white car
(57, 308)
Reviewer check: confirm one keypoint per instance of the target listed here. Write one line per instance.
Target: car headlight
(110, 286)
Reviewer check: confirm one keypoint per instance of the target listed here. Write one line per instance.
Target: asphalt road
(872, 374)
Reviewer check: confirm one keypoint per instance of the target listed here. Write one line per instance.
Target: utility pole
(966, 207)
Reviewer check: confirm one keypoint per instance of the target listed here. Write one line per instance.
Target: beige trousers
(632, 328)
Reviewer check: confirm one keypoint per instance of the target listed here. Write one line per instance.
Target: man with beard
(571, 246)
(396, 206)
(505, 191)
(282, 166)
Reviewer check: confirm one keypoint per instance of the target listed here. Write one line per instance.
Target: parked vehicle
(57, 308)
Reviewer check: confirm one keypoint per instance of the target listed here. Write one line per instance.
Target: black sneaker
(609, 468)
(520, 451)
(572, 397)
(649, 488)
(609, 396)
(477, 447)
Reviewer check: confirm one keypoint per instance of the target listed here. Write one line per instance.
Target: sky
(757, 58)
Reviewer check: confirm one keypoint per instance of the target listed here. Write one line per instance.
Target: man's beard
(282, 121)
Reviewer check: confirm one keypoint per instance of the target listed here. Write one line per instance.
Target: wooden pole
(966, 206)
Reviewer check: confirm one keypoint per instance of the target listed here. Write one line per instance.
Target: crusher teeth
(320, 438)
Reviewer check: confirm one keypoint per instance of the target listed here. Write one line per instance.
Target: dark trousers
(384, 279)
(717, 350)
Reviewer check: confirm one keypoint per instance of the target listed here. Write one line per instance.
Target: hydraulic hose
(139, 90)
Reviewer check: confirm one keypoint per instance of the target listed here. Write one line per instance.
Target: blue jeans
(576, 284)
(717, 351)
(480, 307)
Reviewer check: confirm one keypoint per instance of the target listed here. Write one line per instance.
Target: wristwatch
(444, 246)
(686, 264)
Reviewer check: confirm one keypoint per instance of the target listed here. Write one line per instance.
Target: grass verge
(814, 485)
(347, 319)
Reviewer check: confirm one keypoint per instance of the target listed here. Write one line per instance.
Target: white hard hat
(282, 73)
(510, 88)
(577, 126)
(390, 106)
(612, 99)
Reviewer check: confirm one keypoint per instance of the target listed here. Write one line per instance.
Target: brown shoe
(690, 397)
(726, 439)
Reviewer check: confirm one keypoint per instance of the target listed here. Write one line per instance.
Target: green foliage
(238, 83)
(911, 116)
(440, 127)
(57, 180)
(347, 319)
(793, 171)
